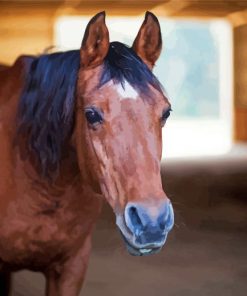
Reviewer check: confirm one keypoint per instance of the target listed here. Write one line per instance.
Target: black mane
(46, 108)
(47, 103)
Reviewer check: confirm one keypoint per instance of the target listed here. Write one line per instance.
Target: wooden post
(240, 83)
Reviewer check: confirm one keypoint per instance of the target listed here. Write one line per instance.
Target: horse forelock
(123, 66)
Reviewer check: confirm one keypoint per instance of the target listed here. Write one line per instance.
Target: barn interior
(204, 163)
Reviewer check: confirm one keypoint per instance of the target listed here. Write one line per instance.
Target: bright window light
(196, 70)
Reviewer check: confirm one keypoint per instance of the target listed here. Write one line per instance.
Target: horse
(78, 128)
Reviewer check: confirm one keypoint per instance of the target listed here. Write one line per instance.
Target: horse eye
(165, 115)
(93, 116)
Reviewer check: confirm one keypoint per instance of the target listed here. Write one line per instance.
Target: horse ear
(148, 42)
(95, 43)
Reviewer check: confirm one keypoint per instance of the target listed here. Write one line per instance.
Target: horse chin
(141, 252)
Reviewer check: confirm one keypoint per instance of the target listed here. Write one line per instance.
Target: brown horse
(76, 128)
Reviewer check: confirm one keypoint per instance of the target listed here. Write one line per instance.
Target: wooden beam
(179, 8)
(238, 18)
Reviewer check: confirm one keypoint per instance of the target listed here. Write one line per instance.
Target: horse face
(119, 120)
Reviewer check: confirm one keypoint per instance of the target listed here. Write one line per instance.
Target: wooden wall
(28, 29)
(240, 82)
(24, 31)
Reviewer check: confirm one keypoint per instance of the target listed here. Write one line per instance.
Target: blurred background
(203, 68)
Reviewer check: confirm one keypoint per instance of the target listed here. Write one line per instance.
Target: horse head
(121, 109)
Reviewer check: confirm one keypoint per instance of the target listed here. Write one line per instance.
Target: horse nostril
(162, 225)
(135, 224)
(162, 222)
(166, 218)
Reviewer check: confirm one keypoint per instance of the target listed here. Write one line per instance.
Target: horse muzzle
(144, 229)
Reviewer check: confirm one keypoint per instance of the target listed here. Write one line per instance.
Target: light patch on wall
(69, 30)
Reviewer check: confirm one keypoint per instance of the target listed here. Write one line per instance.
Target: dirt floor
(205, 254)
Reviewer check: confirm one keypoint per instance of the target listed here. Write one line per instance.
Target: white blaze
(126, 91)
